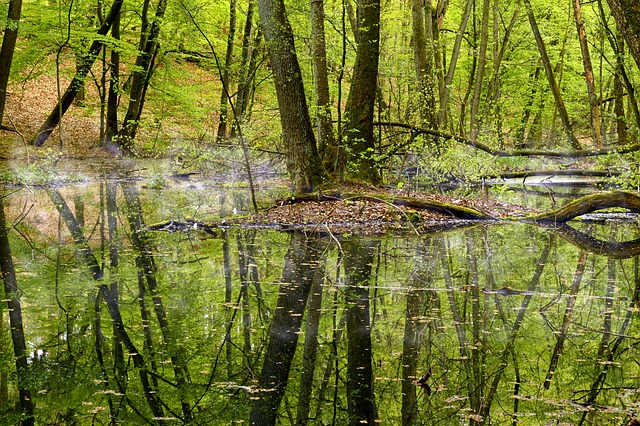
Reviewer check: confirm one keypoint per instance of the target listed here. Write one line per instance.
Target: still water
(106, 322)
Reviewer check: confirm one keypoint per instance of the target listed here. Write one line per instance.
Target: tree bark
(627, 16)
(147, 48)
(327, 145)
(303, 161)
(455, 54)
(423, 62)
(362, 95)
(114, 85)
(588, 74)
(78, 80)
(482, 60)
(221, 134)
(8, 47)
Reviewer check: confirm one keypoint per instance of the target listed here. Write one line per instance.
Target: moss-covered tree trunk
(303, 162)
(362, 95)
(627, 16)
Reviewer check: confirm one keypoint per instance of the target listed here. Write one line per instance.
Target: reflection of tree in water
(489, 325)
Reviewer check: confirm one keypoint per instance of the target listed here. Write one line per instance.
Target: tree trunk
(114, 84)
(423, 63)
(555, 89)
(588, 74)
(303, 161)
(78, 80)
(327, 146)
(248, 48)
(221, 134)
(362, 95)
(482, 60)
(8, 47)
(147, 48)
(12, 297)
(627, 16)
(455, 54)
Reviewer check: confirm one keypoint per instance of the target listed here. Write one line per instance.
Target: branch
(517, 152)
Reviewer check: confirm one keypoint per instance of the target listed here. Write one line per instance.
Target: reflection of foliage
(482, 276)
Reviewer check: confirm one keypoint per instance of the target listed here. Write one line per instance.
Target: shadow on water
(495, 324)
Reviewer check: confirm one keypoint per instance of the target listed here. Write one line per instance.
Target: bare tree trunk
(362, 95)
(327, 145)
(555, 89)
(114, 85)
(8, 47)
(221, 134)
(455, 54)
(12, 297)
(148, 48)
(250, 43)
(423, 60)
(482, 59)
(588, 74)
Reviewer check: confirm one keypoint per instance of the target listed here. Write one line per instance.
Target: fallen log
(589, 204)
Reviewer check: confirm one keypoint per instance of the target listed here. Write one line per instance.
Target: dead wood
(591, 203)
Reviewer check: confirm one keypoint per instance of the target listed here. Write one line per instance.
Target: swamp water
(490, 324)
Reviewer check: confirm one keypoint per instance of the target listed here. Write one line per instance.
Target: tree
(303, 161)
(362, 95)
(148, 49)
(78, 80)
(8, 47)
(627, 16)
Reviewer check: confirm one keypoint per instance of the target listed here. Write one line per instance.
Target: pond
(107, 322)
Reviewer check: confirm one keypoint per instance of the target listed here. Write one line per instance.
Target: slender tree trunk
(423, 62)
(12, 297)
(226, 83)
(455, 54)
(148, 48)
(362, 95)
(303, 161)
(8, 47)
(555, 89)
(114, 84)
(588, 74)
(482, 60)
(78, 80)
(627, 16)
(327, 145)
(246, 73)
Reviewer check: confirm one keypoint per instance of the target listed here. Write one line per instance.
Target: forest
(270, 212)
(335, 90)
